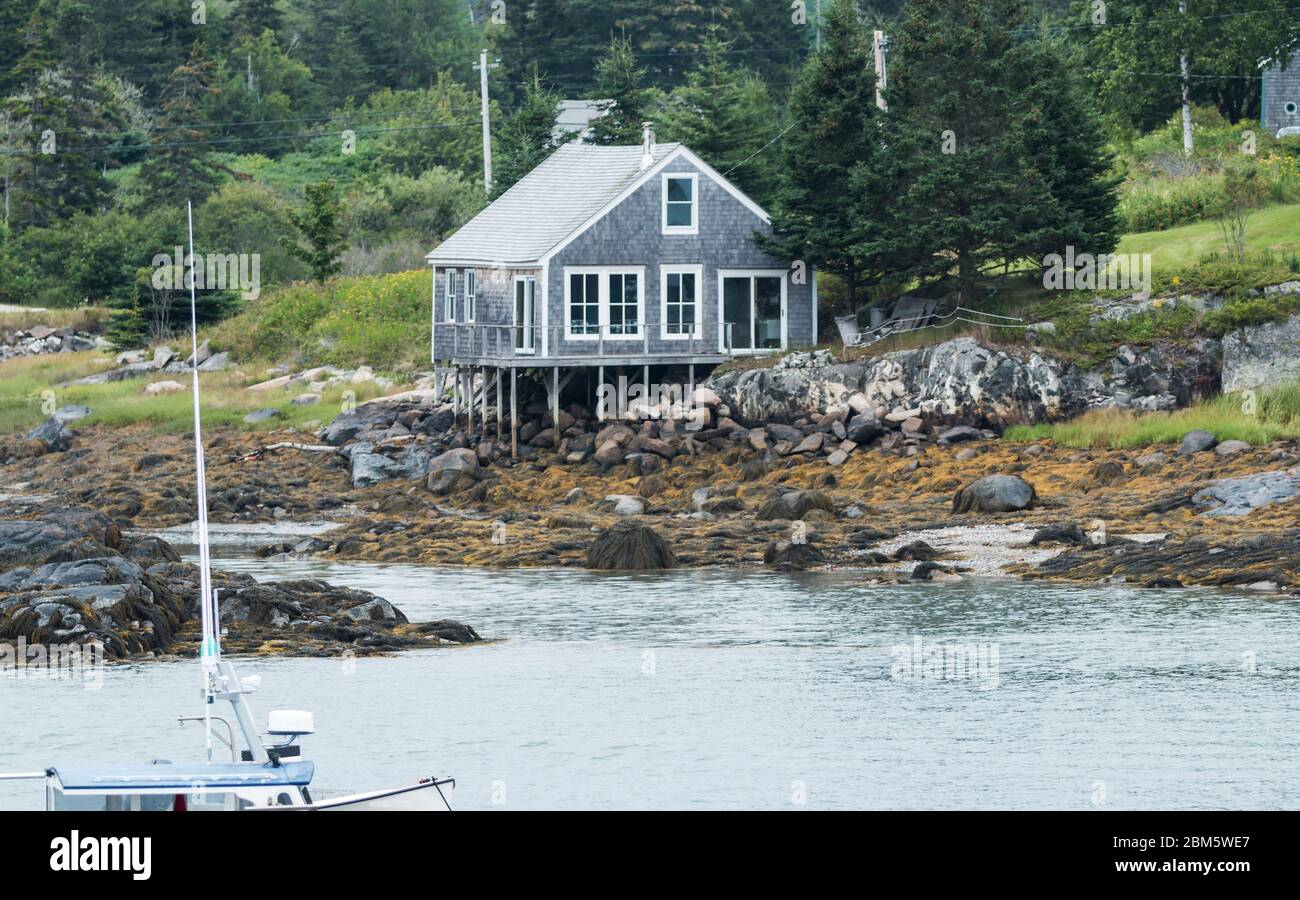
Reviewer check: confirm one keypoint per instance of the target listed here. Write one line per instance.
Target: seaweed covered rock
(69, 576)
(788, 556)
(794, 504)
(630, 547)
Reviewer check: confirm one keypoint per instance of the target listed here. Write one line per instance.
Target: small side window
(471, 287)
(449, 297)
(1290, 108)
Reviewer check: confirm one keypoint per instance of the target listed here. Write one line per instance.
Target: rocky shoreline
(70, 576)
(893, 468)
(1041, 511)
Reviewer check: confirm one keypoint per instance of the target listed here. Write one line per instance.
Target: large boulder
(369, 468)
(51, 434)
(1196, 442)
(995, 494)
(630, 547)
(788, 556)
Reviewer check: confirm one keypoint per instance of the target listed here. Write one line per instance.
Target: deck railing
(481, 339)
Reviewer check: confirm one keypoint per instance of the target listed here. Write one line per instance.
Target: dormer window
(681, 203)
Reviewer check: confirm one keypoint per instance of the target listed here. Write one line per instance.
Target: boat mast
(219, 679)
(210, 644)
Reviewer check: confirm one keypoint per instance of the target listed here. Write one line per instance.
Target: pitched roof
(546, 205)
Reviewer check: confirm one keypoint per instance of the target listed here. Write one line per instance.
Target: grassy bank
(32, 385)
(380, 321)
(1277, 417)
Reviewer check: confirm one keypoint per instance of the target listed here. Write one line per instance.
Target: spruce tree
(527, 137)
(178, 167)
(826, 211)
(624, 99)
(973, 197)
(320, 226)
(724, 114)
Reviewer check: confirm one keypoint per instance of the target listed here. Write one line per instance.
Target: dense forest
(113, 116)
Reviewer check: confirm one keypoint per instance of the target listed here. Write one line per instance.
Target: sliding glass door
(753, 311)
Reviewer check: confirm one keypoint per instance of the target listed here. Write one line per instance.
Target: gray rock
(66, 414)
(1231, 448)
(994, 494)
(217, 362)
(369, 468)
(1239, 496)
(1261, 356)
(625, 505)
(959, 434)
(1196, 442)
(162, 356)
(51, 433)
(863, 428)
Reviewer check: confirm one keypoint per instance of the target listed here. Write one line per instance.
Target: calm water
(722, 690)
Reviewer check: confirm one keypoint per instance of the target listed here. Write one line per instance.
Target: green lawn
(1275, 228)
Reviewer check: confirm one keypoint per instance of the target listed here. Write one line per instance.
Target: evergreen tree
(320, 226)
(725, 115)
(178, 167)
(1065, 145)
(526, 138)
(825, 212)
(624, 100)
(256, 16)
(973, 198)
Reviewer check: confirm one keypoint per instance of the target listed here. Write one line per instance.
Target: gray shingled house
(641, 258)
(1279, 101)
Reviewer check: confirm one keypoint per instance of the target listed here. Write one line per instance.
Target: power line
(309, 135)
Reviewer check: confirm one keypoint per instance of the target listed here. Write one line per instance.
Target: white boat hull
(426, 796)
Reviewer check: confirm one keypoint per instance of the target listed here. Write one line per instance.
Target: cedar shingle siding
(1280, 100)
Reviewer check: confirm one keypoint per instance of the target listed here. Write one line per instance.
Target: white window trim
(603, 286)
(514, 314)
(694, 227)
(449, 295)
(470, 279)
(697, 329)
(783, 274)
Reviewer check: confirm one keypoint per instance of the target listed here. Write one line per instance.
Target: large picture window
(604, 301)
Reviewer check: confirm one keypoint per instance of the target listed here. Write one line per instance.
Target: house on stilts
(626, 262)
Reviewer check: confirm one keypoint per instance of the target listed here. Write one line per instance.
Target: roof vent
(647, 145)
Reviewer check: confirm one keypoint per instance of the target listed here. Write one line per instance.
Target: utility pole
(817, 14)
(879, 45)
(482, 65)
